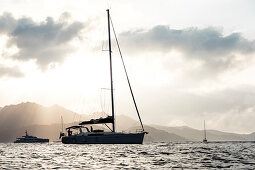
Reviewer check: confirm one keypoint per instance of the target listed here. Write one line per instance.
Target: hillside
(250, 136)
(52, 132)
(124, 123)
(156, 135)
(45, 122)
(25, 114)
(197, 135)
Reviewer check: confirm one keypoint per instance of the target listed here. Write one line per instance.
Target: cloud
(208, 48)
(45, 42)
(192, 41)
(10, 72)
(205, 54)
(187, 103)
(235, 120)
(7, 23)
(193, 108)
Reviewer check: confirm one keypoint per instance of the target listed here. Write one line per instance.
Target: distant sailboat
(62, 129)
(86, 135)
(204, 140)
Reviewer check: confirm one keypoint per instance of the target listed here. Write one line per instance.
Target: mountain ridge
(15, 119)
(43, 121)
(197, 135)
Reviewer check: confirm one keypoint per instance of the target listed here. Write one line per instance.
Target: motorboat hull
(32, 141)
(113, 138)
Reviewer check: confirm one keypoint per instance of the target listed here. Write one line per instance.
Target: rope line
(131, 91)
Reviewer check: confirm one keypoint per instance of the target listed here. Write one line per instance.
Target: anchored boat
(30, 139)
(87, 135)
(204, 140)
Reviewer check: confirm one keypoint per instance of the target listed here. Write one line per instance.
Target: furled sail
(108, 119)
(73, 127)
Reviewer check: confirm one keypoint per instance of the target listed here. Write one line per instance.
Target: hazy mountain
(127, 124)
(189, 133)
(250, 136)
(52, 132)
(124, 123)
(198, 135)
(156, 135)
(45, 122)
(26, 114)
(14, 119)
(44, 131)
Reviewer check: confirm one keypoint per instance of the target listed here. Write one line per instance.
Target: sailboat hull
(113, 138)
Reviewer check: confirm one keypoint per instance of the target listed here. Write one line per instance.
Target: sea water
(190, 155)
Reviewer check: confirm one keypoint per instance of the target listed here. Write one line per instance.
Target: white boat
(30, 139)
(91, 136)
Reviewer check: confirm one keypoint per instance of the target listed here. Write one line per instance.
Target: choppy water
(146, 156)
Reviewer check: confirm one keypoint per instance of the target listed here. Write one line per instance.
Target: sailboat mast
(110, 56)
(62, 124)
(204, 130)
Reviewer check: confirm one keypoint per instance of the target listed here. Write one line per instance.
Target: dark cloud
(193, 42)
(7, 23)
(10, 72)
(46, 42)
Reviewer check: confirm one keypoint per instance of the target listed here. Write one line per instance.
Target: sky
(188, 61)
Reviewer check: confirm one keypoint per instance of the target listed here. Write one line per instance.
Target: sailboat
(204, 140)
(86, 135)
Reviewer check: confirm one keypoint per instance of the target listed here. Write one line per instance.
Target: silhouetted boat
(204, 140)
(91, 136)
(30, 139)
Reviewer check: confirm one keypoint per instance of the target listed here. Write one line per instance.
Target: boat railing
(139, 130)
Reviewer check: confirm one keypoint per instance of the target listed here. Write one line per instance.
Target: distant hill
(52, 132)
(15, 118)
(25, 114)
(212, 135)
(45, 122)
(124, 123)
(156, 135)
(250, 136)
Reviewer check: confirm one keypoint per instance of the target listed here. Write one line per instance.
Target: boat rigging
(99, 136)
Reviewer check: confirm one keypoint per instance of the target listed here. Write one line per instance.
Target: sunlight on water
(147, 156)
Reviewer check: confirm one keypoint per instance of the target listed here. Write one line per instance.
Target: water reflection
(147, 156)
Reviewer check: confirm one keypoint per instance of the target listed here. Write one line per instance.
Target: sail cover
(73, 127)
(108, 119)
